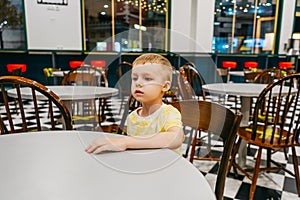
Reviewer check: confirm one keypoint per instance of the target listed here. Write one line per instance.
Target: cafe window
(12, 34)
(126, 25)
(297, 19)
(244, 26)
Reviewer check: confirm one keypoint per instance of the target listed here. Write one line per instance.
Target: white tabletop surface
(53, 165)
(239, 89)
(62, 73)
(237, 73)
(66, 92)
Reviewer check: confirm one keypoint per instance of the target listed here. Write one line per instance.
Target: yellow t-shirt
(160, 121)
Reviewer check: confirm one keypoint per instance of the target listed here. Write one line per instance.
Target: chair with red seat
(76, 63)
(250, 65)
(98, 63)
(16, 69)
(285, 65)
(229, 65)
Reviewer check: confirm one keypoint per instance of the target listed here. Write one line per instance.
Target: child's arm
(171, 139)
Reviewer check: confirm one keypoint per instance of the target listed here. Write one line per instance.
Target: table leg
(245, 109)
(69, 107)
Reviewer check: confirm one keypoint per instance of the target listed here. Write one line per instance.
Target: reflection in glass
(244, 26)
(12, 34)
(125, 25)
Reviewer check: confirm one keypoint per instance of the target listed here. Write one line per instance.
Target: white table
(62, 73)
(53, 165)
(237, 73)
(69, 93)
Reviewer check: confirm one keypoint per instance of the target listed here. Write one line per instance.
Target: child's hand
(107, 144)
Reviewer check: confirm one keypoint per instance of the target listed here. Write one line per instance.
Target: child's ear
(166, 86)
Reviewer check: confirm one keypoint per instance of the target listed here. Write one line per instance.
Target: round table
(68, 93)
(53, 165)
(237, 73)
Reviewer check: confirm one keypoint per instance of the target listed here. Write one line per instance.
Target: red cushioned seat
(250, 65)
(76, 63)
(98, 63)
(229, 64)
(11, 67)
(285, 65)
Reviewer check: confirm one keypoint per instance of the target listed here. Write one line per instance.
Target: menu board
(53, 25)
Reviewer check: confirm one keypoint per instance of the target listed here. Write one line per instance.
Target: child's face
(148, 83)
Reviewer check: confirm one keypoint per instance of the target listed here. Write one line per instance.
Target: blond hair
(154, 58)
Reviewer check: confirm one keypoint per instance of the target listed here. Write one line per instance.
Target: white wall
(286, 23)
(191, 25)
(51, 27)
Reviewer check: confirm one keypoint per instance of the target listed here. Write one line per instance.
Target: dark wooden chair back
(123, 72)
(85, 75)
(223, 74)
(214, 119)
(249, 76)
(190, 74)
(269, 75)
(24, 115)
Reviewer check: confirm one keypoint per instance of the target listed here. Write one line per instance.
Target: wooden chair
(266, 76)
(190, 74)
(120, 128)
(229, 65)
(223, 73)
(48, 74)
(216, 119)
(14, 69)
(269, 75)
(249, 76)
(275, 125)
(90, 114)
(123, 72)
(251, 65)
(28, 118)
(76, 63)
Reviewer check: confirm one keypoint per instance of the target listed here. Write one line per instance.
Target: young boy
(155, 124)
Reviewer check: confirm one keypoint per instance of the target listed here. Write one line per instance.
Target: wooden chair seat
(264, 137)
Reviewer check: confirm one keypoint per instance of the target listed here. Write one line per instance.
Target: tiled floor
(273, 185)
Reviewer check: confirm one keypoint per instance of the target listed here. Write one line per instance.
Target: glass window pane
(98, 26)
(154, 21)
(127, 20)
(129, 25)
(244, 26)
(224, 15)
(12, 35)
